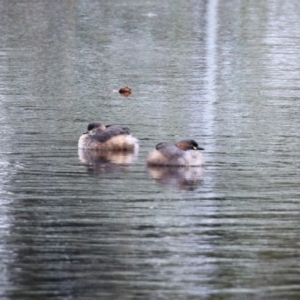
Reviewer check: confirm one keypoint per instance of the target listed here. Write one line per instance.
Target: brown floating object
(125, 91)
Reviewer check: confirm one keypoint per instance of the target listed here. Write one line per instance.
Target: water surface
(225, 73)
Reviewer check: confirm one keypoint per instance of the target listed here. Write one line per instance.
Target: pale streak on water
(223, 72)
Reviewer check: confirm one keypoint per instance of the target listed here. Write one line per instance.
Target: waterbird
(183, 153)
(107, 137)
(125, 91)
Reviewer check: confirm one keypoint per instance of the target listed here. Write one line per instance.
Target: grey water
(225, 73)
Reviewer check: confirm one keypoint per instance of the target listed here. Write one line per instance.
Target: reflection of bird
(183, 153)
(106, 161)
(107, 137)
(92, 157)
(184, 178)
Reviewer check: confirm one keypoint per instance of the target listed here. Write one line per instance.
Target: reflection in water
(106, 161)
(184, 178)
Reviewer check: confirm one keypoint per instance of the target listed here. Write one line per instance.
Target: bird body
(107, 137)
(183, 153)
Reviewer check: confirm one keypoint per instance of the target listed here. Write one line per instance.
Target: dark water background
(225, 73)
